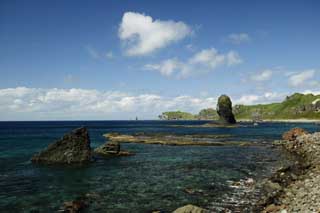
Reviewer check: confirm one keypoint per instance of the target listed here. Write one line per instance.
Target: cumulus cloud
(304, 78)
(264, 75)
(238, 38)
(203, 61)
(143, 35)
(45, 104)
(167, 67)
(267, 97)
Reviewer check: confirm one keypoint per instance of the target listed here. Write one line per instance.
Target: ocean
(157, 177)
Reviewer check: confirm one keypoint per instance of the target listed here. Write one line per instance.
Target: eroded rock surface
(73, 147)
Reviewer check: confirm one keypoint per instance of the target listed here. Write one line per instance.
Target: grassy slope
(288, 109)
(178, 115)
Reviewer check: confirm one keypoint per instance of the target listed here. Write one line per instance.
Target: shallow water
(156, 178)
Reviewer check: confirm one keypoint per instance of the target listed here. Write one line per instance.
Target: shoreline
(295, 188)
(302, 120)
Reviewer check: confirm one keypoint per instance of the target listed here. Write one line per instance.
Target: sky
(107, 60)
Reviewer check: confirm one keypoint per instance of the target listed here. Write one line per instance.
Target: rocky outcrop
(190, 209)
(224, 110)
(111, 148)
(292, 134)
(73, 147)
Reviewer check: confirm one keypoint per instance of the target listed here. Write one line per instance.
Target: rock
(249, 182)
(190, 209)
(272, 186)
(73, 147)
(74, 206)
(111, 148)
(292, 134)
(274, 209)
(224, 110)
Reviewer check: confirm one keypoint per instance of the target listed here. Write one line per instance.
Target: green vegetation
(204, 114)
(296, 106)
(177, 115)
(208, 114)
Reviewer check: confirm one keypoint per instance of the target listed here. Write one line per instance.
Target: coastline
(302, 120)
(295, 188)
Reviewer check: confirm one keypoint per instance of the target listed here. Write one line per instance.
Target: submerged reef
(174, 140)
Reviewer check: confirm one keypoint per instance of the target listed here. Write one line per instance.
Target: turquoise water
(156, 178)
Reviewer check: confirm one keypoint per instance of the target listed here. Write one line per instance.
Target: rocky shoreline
(295, 188)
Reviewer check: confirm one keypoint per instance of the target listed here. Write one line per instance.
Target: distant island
(296, 106)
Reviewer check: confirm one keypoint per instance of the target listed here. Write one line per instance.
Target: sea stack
(73, 147)
(224, 110)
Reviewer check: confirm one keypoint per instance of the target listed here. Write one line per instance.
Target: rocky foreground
(297, 188)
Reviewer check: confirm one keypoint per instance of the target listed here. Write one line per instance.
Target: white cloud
(204, 61)
(315, 92)
(167, 67)
(46, 104)
(303, 78)
(264, 75)
(143, 35)
(267, 97)
(238, 38)
(23, 103)
(109, 55)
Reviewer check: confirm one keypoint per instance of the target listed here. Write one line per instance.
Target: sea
(157, 178)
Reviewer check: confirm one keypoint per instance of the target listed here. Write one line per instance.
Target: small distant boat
(137, 118)
(255, 124)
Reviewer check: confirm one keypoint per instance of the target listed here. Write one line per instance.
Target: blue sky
(119, 59)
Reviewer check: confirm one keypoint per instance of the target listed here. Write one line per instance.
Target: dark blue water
(156, 178)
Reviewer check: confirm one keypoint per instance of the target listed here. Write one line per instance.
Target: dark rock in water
(224, 110)
(73, 147)
(111, 148)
